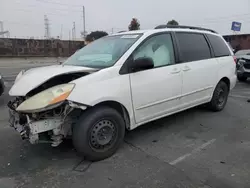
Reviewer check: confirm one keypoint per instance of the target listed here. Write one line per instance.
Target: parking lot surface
(195, 148)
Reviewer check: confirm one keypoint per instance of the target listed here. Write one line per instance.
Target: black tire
(1, 87)
(241, 78)
(89, 136)
(220, 97)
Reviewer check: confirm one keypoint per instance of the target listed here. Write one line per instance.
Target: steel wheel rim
(102, 135)
(222, 97)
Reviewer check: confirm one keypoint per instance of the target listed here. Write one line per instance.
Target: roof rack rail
(121, 31)
(183, 27)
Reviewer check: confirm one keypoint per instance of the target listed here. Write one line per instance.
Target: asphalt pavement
(192, 149)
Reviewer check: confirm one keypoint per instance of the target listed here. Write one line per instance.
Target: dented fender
(105, 85)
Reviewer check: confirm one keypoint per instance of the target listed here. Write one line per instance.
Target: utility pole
(74, 31)
(61, 34)
(1, 28)
(47, 28)
(84, 29)
(3, 33)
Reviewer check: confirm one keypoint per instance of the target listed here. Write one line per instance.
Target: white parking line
(174, 162)
(239, 96)
(241, 89)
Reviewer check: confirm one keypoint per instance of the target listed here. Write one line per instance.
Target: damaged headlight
(47, 98)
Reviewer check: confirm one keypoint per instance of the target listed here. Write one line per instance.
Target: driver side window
(159, 48)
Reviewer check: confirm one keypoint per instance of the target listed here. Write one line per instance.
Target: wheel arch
(120, 108)
(226, 80)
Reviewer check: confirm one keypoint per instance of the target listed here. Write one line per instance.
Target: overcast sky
(25, 18)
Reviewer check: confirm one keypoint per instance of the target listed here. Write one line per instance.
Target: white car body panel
(37, 76)
(156, 92)
(106, 85)
(227, 68)
(199, 80)
(147, 95)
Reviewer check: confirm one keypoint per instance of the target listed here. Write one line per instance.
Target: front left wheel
(99, 133)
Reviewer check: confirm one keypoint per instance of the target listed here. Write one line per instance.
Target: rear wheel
(99, 133)
(220, 97)
(1, 87)
(241, 78)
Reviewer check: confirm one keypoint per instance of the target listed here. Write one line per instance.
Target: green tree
(96, 35)
(134, 24)
(172, 22)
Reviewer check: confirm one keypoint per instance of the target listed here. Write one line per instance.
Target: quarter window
(159, 48)
(219, 46)
(193, 47)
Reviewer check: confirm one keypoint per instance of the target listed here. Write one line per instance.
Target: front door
(156, 92)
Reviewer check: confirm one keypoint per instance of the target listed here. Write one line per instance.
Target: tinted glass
(193, 47)
(159, 48)
(219, 46)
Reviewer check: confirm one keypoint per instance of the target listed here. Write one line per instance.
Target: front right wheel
(99, 133)
(220, 97)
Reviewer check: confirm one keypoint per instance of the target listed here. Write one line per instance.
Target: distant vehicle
(120, 82)
(242, 54)
(243, 64)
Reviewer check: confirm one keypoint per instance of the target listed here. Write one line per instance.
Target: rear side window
(219, 46)
(193, 47)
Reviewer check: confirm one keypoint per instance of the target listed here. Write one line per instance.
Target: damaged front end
(50, 126)
(44, 115)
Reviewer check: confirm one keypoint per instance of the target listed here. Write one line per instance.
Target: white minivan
(120, 82)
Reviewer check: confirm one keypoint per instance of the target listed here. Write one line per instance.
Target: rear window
(219, 46)
(193, 47)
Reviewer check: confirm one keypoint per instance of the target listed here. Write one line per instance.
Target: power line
(31, 25)
(53, 9)
(56, 3)
(22, 23)
(53, 14)
(218, 18)
(245, 18)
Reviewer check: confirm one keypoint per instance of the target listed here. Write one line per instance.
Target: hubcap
(102, 135)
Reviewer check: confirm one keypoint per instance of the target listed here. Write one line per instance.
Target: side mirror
(142, 63)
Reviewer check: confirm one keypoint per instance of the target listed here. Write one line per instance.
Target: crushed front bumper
(49, 126)
(33, 130)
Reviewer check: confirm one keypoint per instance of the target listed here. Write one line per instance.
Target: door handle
(175, 71)
(186, 68)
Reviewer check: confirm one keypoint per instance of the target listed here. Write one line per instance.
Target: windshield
(104, 52)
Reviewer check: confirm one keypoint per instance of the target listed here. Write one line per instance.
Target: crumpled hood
(37, 76)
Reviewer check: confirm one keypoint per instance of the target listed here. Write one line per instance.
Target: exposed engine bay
(50, 125)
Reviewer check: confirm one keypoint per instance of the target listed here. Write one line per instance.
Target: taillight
(235, 59)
